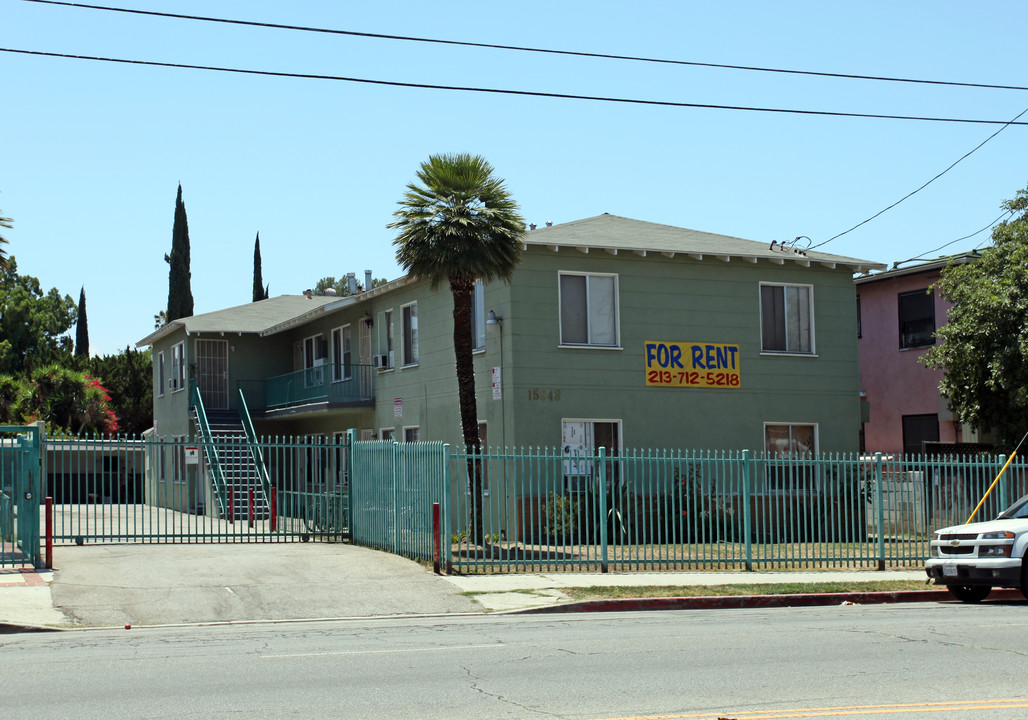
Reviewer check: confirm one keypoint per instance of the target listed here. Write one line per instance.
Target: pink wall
(895, 383)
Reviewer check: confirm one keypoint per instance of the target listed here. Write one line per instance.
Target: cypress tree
(260, 291)
(82, 328)
(180, 295)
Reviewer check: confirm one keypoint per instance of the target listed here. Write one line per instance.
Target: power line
(518, 48)
(499, 91)
(921, 256)
(914, 192)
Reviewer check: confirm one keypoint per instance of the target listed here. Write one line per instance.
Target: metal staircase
(232, 458)
(240, 472)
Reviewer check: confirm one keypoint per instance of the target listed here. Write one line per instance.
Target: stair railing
(255, 449)
(209, 448)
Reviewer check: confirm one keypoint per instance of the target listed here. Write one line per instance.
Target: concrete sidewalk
(115, 585)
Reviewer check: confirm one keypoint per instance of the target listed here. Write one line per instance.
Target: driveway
(159, 584)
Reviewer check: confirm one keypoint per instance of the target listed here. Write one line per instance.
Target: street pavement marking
(827, 712)
(398, 650)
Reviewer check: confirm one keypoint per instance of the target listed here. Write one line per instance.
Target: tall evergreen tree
(260, 290)
(180, 295)
(82, 328)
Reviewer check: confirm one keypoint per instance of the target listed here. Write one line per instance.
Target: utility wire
(922, 256)
(498, 91)
(914, 192)
(548, 51)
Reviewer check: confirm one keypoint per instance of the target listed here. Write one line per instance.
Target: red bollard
(274, 510)
(49, 534)
(436, 550)
(231, 510)
(251, 507)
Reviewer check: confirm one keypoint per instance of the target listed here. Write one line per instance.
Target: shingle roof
(255, 317)
(612, 233)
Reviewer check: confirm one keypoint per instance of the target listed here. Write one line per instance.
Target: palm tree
(460, 225)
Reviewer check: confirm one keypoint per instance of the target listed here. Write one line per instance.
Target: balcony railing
(338, 385)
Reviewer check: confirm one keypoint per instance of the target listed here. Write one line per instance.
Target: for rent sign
(692, 364)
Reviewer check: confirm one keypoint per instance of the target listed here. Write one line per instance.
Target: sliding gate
(188, 490)
(19, 496)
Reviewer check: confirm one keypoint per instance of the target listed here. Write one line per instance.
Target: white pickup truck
(972, 559)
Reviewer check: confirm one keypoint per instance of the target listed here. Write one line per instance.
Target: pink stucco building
(897, 315)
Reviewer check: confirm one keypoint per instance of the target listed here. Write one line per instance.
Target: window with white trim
(786, 319)
(178, 366)
(790, 449)
(341, 354)
(411, 434)
(478, 317)
(409, 319)
(588, 309)
(386, 433)
(160, 373)
(385, 338)
(178, 459)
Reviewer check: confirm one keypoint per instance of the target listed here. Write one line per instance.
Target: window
(916, 319)
(478, 317)
(314, 351)
(385, 339)
(588, 310)
(340, 442)
(160, 373)
(790, 449)
(386, 433)
(580, 440)
(410, 334)
(411, 434)
(917, 430)
(341, 354)
(786, 319)
(178, 459)
(178, 367)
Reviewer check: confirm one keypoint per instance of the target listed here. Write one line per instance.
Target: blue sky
(92, 152)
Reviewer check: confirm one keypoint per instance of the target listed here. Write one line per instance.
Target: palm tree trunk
(462, 290)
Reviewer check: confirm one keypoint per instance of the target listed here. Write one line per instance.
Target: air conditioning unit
(381, 362)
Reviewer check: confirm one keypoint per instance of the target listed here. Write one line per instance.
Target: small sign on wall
(192, 456)
(497, 384)
(398, 407)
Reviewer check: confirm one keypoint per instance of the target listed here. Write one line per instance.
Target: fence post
(396, 498)
(250, 513)
(274, 509)
(747, 518)
(880, 501)
(231, 509)
(49, 534)
(436, 536)
(602, 493)
(445, 511)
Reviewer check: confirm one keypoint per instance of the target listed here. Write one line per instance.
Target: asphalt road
(936, 661)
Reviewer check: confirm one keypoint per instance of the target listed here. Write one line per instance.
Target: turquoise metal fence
(160, 490)
(543, 510)
(19, 497)
(392, 491)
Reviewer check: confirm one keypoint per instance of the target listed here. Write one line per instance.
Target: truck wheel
(1024, 576)
(969, 593)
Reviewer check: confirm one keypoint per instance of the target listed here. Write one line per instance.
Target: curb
(722, 602)
(7, 628)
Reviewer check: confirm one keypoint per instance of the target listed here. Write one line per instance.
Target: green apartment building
(613, 332)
